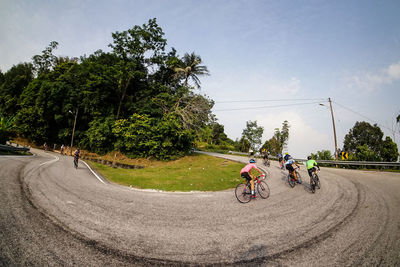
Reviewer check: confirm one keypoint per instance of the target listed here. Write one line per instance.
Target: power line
(365, 117)
(276, 106)
(271, 100)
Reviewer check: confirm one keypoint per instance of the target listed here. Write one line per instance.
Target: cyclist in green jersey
(311, 164)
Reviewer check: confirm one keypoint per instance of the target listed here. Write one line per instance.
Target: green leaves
(189, 68)
(127, 99)
(364, 142)
(6, 128)
(253, 133)
(142, 136)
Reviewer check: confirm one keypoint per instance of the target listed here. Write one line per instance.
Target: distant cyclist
(266, 158)
(289, 166)
(77, 155)
(246, 174)
(311, 165)
(280, 159)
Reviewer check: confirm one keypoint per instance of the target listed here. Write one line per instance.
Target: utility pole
(73, 129)
(334, 128)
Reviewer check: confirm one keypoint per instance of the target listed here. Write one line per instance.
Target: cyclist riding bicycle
(265, 157)
(289, 166)
(311, 164)
(286, 157)
(246, 174)
(280, 159)
(77, 154)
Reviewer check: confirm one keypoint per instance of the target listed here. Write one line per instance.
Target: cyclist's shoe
(253, 196)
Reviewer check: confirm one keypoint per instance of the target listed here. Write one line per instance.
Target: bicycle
(292, 181)
(282, 164)
(314, 181)
(266, 162)
(243, 191)
(76, 162)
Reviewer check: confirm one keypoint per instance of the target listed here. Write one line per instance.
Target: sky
(269, 61)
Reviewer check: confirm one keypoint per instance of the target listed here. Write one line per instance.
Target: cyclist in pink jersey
(246, 174)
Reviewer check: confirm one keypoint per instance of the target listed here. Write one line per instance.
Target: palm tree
(189, 67)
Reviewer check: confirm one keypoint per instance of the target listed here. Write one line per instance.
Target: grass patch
(14, 153)
(191, 173)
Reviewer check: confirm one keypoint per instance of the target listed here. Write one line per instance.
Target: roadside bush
(142, 136)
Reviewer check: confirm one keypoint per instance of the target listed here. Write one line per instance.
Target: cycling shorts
(310, 171)
(246, 176)
(289, 167)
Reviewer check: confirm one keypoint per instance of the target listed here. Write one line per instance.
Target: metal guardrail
(339, 162)
(14, 148)
(360, 163)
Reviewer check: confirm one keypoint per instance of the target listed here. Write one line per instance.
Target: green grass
(14, 153)
(191, 173)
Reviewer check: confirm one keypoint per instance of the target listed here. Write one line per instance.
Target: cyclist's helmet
(286, 153)
(252, 161)
(309, 157)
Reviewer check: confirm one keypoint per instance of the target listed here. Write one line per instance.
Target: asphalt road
(55, 215)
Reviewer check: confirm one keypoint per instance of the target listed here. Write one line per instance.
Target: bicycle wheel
(291, 181)
(298, 177)
(242, 193)
(312, 183)
(263, 189)
(317, 182)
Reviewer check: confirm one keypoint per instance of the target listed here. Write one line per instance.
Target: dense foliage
(136, 98)
(279, 140)
(322, 155)
(364, 142)
(253, 134)
(6, 129)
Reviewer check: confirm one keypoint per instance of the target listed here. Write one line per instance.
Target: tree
(134, 81)
(1, 78)
(6, 128)
(242, 145)
(389, 151)
(15, 81)
(45, 62)
(189, 67)
(272, 146)
(142, 136)
(194, 109)
(277, 143)
(253, 134)
(361, 134)
(322, 155)
(131, 46)
(365, 142)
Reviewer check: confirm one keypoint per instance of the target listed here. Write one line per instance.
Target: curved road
(55, 215)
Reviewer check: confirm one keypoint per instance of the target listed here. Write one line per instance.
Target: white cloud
(374, 81)
(394, 71)
(292, 86)
(303, 137)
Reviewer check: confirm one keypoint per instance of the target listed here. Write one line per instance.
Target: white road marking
(95, 174)
(51, 161)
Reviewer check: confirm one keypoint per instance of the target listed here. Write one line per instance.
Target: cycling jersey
(289, 162)
(248, 168)
(311, 163)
